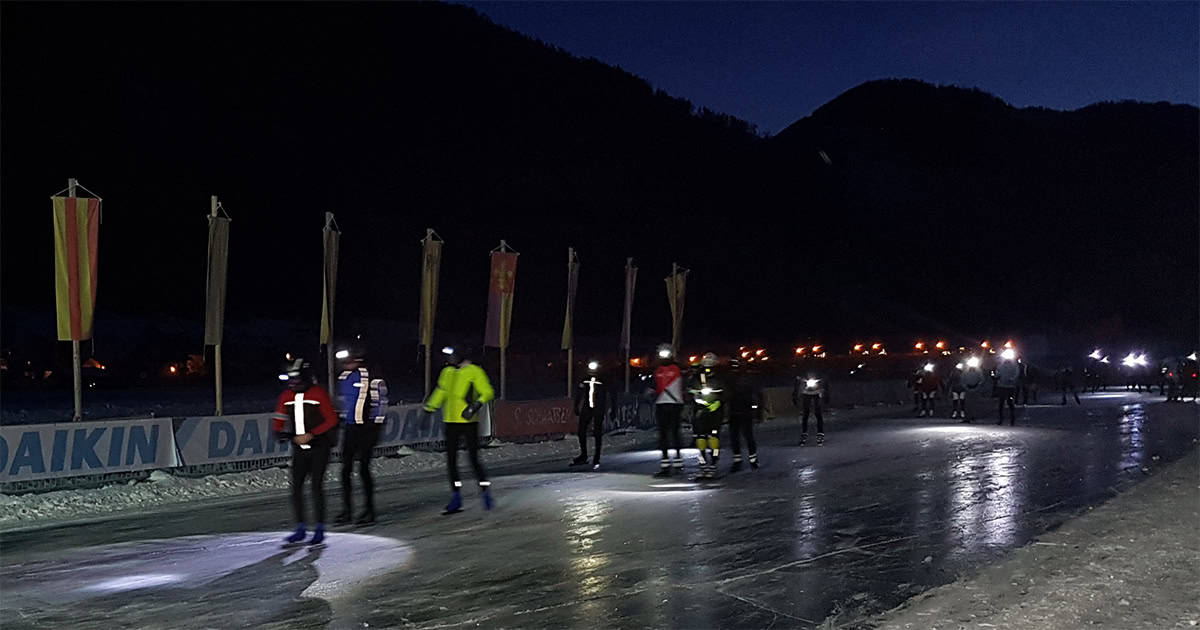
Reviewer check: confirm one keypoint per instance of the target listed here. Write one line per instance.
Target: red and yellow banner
(76, 236)
(500, 299)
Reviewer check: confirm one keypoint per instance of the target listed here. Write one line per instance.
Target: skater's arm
(578, 399)
(483, 387)
(281, 415)
(328, 415)
(438, 396)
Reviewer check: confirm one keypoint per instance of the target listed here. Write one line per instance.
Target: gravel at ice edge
(163, 488)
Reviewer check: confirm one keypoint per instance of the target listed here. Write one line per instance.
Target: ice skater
(462, 390)
(594, 398)
(305, 417)
(807, 393)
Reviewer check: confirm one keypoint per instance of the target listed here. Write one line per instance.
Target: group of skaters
(308, 418)
(715, 399)
(1013, 381)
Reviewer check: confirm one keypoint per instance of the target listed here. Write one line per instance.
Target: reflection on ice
(984, 505)
(133, 582)
(1132, 441)
(196, 562)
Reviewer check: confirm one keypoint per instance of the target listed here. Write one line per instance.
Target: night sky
(402, 116)
(773, 62)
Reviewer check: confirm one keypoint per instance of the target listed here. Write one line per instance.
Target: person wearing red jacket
(304, 416)
(667, 393)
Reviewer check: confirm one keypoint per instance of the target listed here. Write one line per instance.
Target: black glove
(471, 410)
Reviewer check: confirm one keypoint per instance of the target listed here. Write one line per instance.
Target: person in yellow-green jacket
(708, 393)
(462, 389)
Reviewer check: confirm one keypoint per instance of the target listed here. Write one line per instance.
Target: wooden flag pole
(571, 348)
(217, 348)
(674, 309)
(76, 366)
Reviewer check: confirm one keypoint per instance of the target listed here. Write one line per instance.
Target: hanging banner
(332, 238)
(676, 287)
(76, 238)
(218, 260)
(568, 336)
(630, 284)
(430, 271)
(500, 298)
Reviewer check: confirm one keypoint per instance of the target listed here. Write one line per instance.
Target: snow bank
(163, 488)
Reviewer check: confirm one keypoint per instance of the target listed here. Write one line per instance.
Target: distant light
(1009, 354)
(799, 350)
(635, 362)
(941, 345)
(706, 390)
(858, 347)
(1105, 360)
(288, 356)
(693, 358)
(1095, 354)
(920, 345)
(342, 354)
(593, 365)
(958, 365)
(876, 346)
(973, 362)
(664, 354)
(172, 369)
(1141, 360)
(759, 352)
(817, 348)
(447, 351)
(862, 365)
(283, 377)
(928, 367)
(812, 382)
(745, 353)
(985, 345)
(765, 358)
(1008, 344)
(1191, 357)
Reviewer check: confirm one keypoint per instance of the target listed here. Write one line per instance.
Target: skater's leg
(453, 437)
(471, 433)
(320, 456)
(662, 416)
(598, 434)
(300, 465)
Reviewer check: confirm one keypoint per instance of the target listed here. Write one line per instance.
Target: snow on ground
(165, 489)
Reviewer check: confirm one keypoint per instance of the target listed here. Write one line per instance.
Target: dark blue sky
(772, 63)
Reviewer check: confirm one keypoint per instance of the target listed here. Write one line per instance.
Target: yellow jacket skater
(462, 389)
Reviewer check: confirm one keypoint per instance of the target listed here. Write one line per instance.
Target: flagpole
(76, 368)
(674, 309)
(217, 347)
(628, 263)
(570, 315)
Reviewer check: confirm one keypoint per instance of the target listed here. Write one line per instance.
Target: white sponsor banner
(85, 448)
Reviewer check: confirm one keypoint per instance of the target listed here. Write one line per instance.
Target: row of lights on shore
(818, 351)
